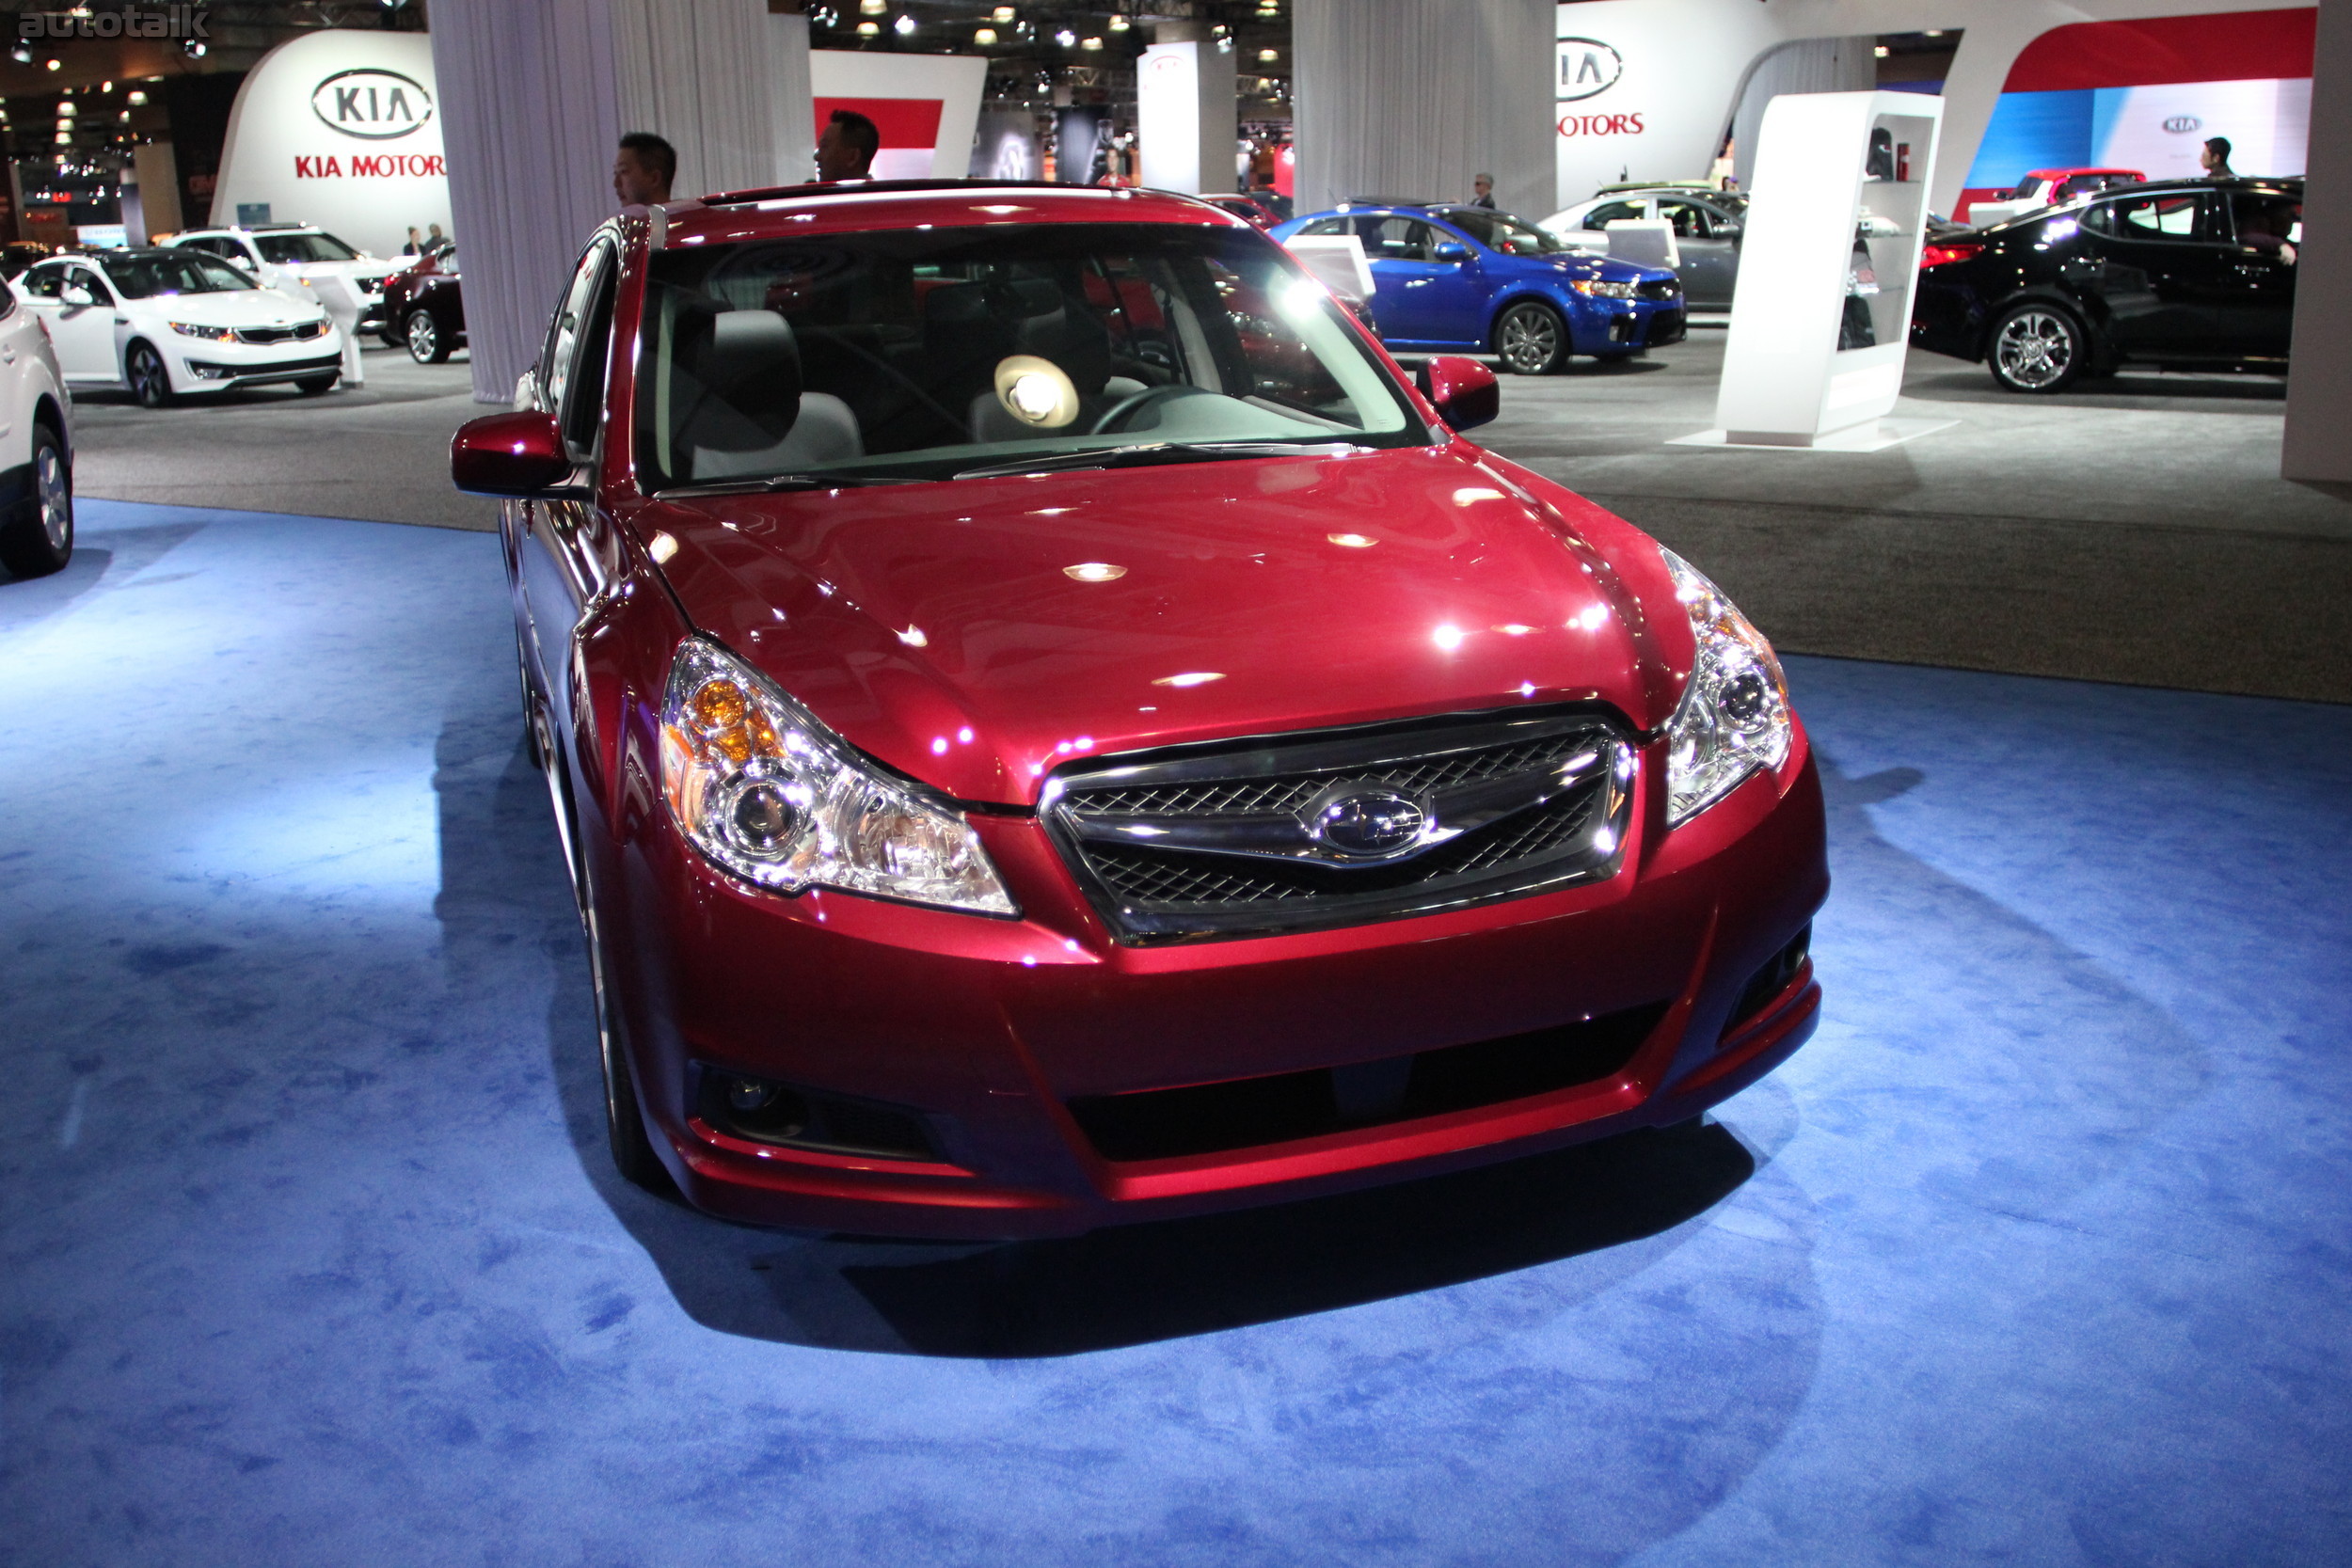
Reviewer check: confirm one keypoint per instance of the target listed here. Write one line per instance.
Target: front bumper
(206, 364)
(1611, 326)
(985, 1032)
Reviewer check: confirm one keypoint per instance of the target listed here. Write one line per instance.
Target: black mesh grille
(1156, 893)
(1657, 288)
(1665, 327)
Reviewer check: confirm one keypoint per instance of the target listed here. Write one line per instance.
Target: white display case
(1829, 258)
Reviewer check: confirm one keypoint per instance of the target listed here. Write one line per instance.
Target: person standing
(846, 147)
(642, 170)
(2214, 159)
(1485, 187)
(410, 248)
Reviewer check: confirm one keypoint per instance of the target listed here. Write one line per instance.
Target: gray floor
(378, 452)
(2135, 530)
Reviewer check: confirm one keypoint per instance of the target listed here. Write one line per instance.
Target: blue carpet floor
(310, 1253)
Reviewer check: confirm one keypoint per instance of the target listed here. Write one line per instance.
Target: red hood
(936, 626)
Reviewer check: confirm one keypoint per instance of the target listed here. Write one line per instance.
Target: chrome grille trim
(1225, 841)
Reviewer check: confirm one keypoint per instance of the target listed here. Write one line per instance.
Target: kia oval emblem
(1369, 822)
(371, 104)
(1587, 69)
(2181, 124)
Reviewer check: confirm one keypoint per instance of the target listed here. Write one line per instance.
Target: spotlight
(1090, 44)
(984, 37)
(1002, 13)
(195, 48)
(1267, 57)
(1066, 37)
(873, 7)
(136, 99)
(869, 29)
(905, 25)
(52, 65)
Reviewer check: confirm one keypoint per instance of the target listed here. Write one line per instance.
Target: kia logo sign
(2180, 125)
(1587, 67)
(374, 105)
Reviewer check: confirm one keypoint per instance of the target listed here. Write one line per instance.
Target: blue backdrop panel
(2030, 131)
(309, 1251)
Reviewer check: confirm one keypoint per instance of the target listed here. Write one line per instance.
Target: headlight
(217, 334)
(767, 792)
(1597, 288)
(1734, 717)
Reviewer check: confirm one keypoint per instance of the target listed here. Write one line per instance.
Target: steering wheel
(1134, 402)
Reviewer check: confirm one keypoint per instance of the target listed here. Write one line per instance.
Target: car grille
(300, 332)
(1247, 1112)
(1222, 842)
(1657, 288)
(1666, 327)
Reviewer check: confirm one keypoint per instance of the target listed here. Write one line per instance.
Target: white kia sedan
(164, 323)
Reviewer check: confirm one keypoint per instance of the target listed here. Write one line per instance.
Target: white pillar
(1187, 124)
(1411, 99)
(2319, 390)
(537, 94)
(789, 68)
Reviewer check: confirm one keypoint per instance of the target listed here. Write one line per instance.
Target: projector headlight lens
(1595, 288)
(1734, 718)
(769, 794)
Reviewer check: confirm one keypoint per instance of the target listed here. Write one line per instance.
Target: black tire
(625, 1133)
(147, 375)
(2036, 347)
(40, 541)
(425, 343)
(1531, 339)
(312, 385)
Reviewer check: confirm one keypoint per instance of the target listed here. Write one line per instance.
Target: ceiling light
(21, 54)
(124, 118)
(1090, 44)
(1881, 51)
(1935, 32)
(905, 25)
(136, 99)
(873, 7)
(193, 48)
(1002, 13)
(64, 137)
(1267, 57)
(1118, 23)
(1067, 39)
(869, 29)
(985, 36)
(194, 51)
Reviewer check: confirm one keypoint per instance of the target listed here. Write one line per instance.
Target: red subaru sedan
(1051, 726)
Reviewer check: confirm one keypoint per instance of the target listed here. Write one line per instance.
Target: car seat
(736, 404)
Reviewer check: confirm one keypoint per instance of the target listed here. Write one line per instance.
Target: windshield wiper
(751, 486)
(1148, 452)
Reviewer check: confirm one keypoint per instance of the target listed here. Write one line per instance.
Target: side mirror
(509, 454)
(1464, 392)
(77, 296)
(1449, 250)
(1727, 229)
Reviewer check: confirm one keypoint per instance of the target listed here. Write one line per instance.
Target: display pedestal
(1869, 436)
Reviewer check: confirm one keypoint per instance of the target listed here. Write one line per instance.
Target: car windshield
(281, 250)
(922, 354)
(1501, 231)
(170, 272)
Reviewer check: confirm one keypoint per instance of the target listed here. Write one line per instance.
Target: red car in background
(1050, 726)
(2045, 187)
(1250, 211)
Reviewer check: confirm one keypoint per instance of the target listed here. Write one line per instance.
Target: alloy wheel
(55, 488)
(424, 342)
(1529, 339)
(2035, 350)
(151, 382)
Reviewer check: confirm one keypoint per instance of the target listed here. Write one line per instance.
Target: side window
(2162, 215)
(95, 284)
(1402, 240)
(1326, 226)
(582, 402)
(1611, 212)
(556, 356)
(2266, 220)
(43, 282)
(1690, 221)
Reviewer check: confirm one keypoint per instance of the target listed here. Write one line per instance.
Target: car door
(1709, 263)
(84, 334)
(1413, 293)
(2160, 269)
(562, 549)
(2257, 310)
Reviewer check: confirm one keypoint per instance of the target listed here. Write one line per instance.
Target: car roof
(848, 206)
(2069, 173)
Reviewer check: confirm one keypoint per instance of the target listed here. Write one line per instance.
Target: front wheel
(1531, 339)
(312, 385)
(2037, 348)
(425, 345)
(41, 540)
(149, 377)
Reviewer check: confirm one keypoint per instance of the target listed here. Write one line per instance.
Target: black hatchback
(2179, 275)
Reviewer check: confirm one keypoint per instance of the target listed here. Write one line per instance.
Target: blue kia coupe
(1456, 278)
